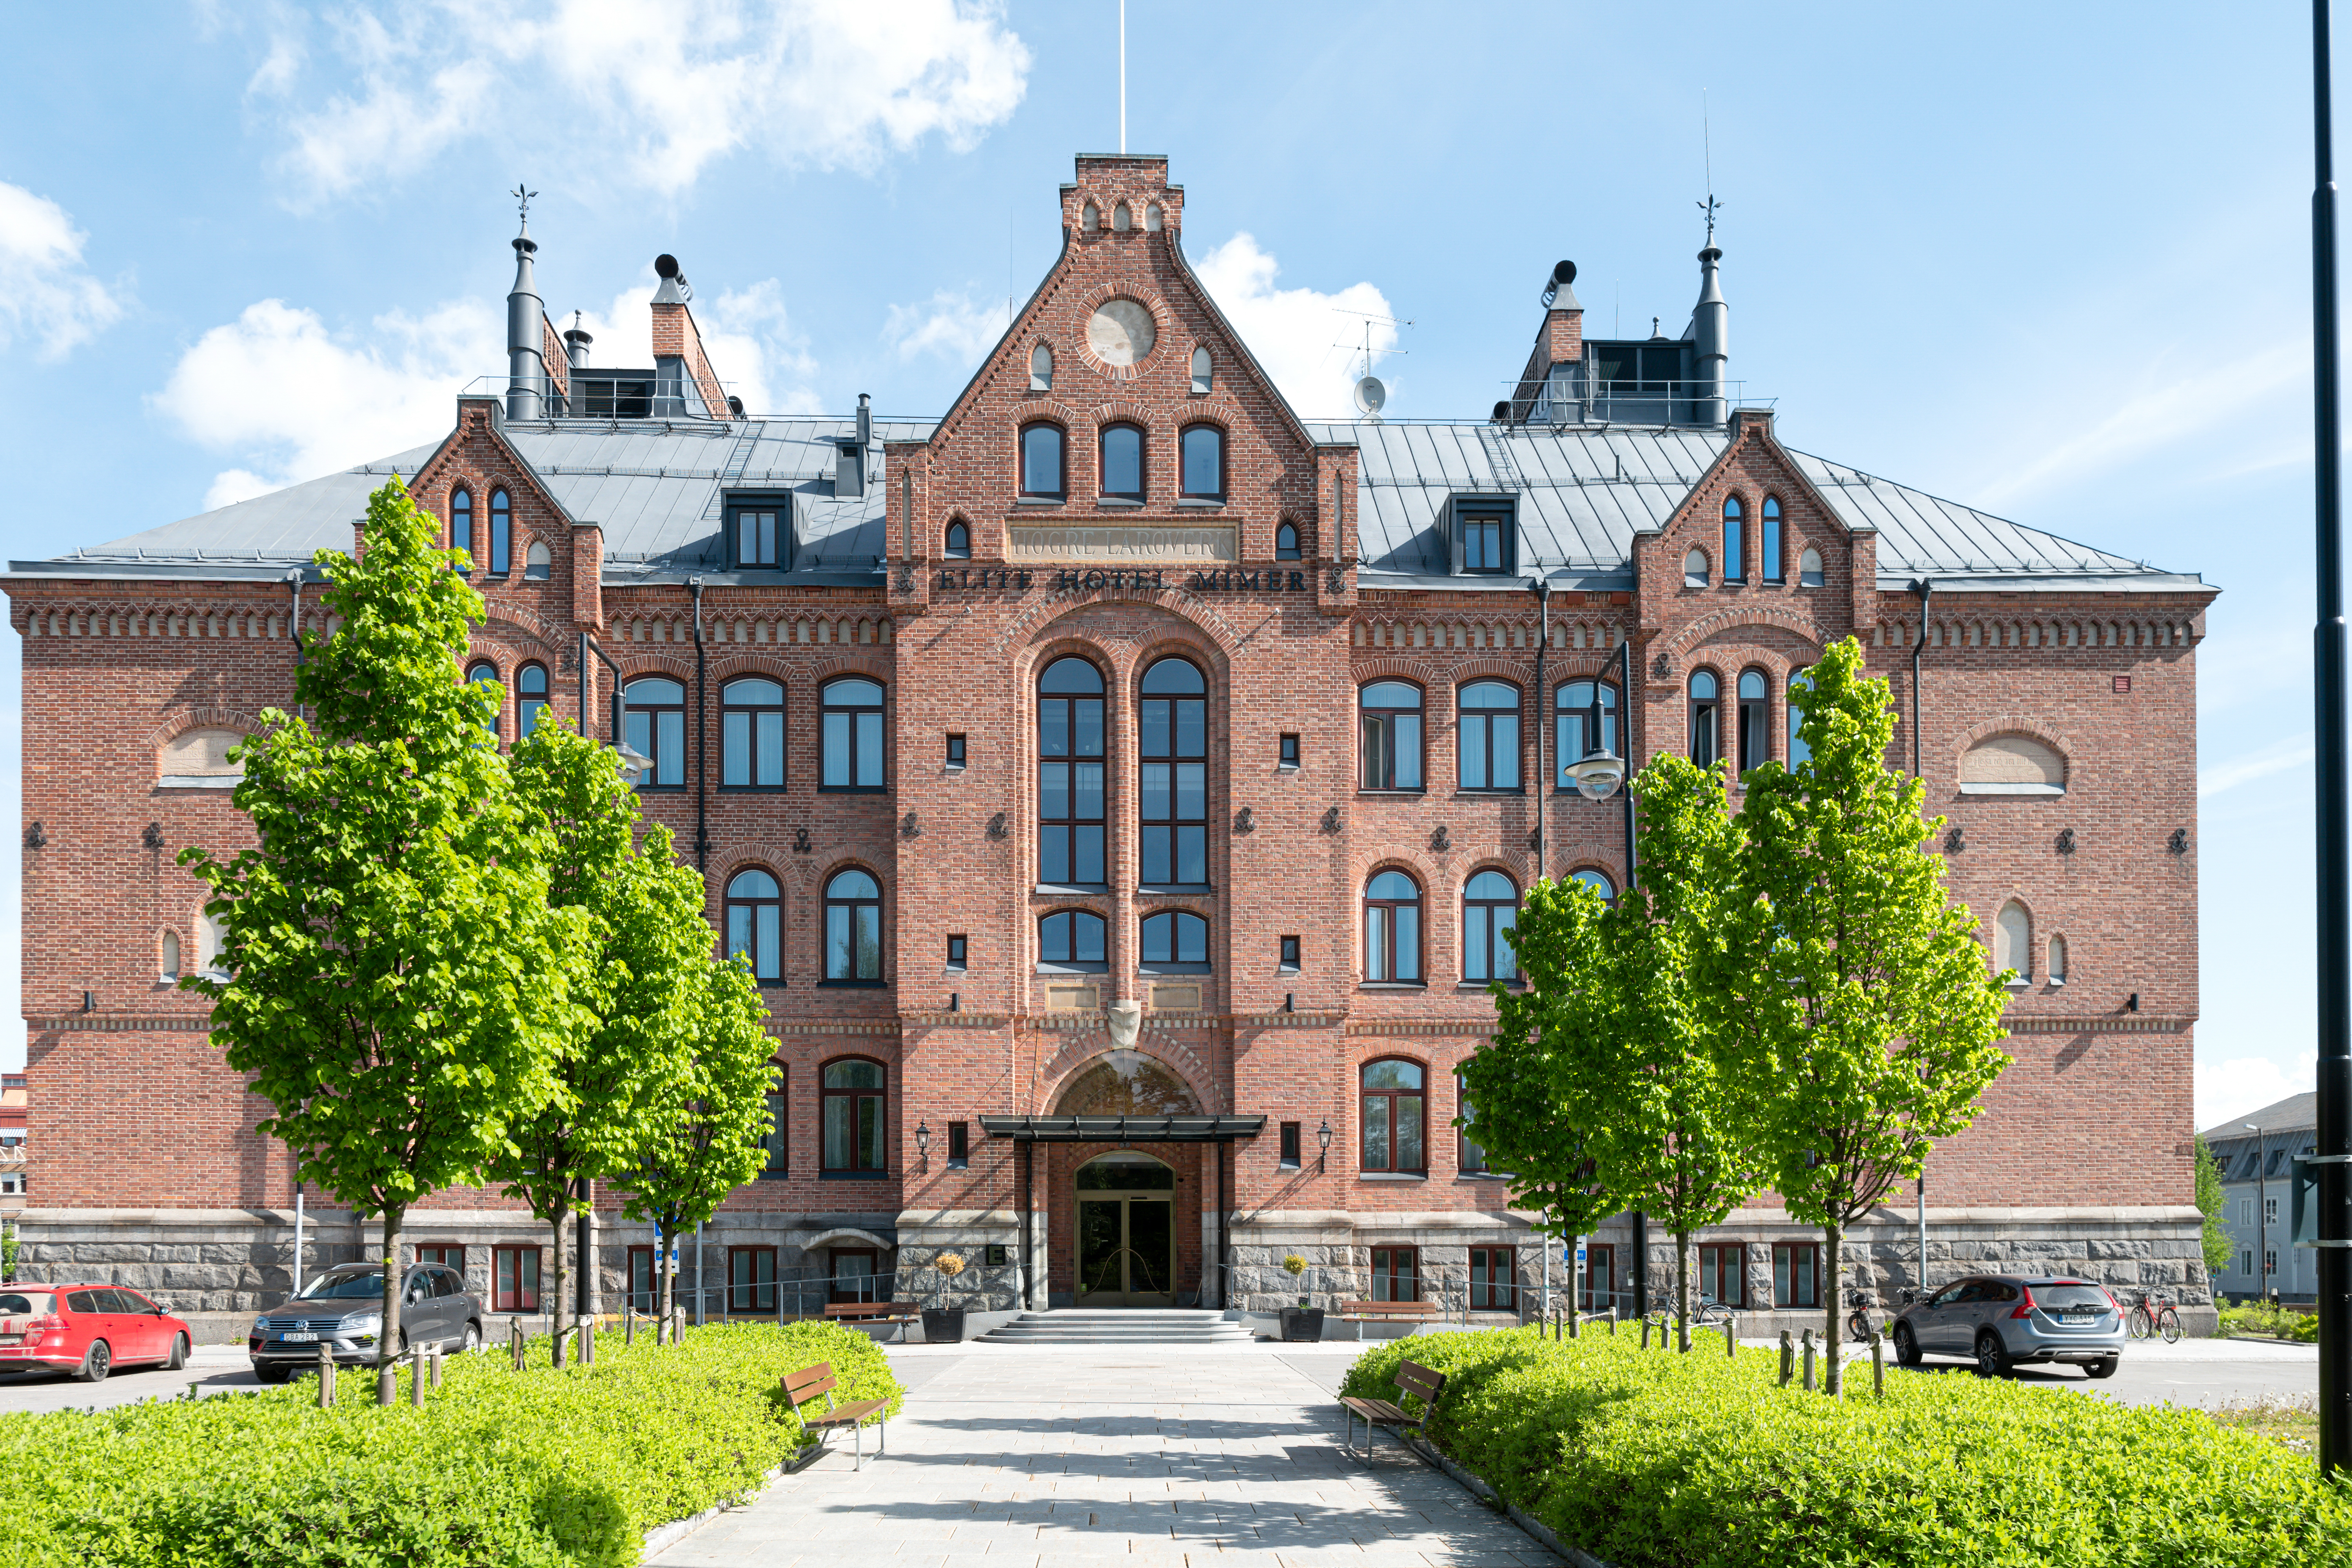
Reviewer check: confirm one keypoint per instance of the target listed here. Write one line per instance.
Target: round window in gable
(1122, 333)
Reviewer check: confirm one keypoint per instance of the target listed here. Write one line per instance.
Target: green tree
(1851, 984)
(639, 983)
(2211, 1203)
(392, 975)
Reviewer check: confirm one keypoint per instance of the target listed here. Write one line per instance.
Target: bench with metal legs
(1412, 1378)
(806, 1385)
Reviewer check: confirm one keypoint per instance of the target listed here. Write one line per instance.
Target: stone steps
(1138, 1326)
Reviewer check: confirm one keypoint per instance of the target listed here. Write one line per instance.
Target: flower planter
(942, 1325)
(1302, 1323)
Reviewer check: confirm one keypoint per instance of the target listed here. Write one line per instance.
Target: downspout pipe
(1926, 589)
(701, 737)
(1543, 780)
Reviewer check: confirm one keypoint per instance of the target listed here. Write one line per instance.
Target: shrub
(544, 1468)
(1665, 1460)
(2278, 1322)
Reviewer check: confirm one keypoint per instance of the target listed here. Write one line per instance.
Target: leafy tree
(1851, 984)
(637, 983)
(392, 975)
(2211, 1203)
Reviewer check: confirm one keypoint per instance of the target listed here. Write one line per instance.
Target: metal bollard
(1730, 1341)
(514, 1341)
(436, 1366)
(416, 1376)
(588, 1342)
(326, 1376)
(1613, 1322)
(1645, 1331)
(629, 1326)
(1787, 1359)
(1810, 1385)
(1878, 1364)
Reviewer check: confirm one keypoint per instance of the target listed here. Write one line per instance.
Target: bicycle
(2154, 1315)
(1857, 1323)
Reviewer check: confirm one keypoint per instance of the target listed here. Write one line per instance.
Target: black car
(343, 1309)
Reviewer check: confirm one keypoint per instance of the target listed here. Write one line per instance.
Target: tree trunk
(555, 1303)
(387, 1339)
(1832, 1377)
(1681, 1290)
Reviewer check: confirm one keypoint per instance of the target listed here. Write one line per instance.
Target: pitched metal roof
(2295, 1113)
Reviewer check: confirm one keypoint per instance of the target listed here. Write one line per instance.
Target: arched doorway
(1125, 1231)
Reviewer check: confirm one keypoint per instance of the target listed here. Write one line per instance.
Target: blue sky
(2048, 260)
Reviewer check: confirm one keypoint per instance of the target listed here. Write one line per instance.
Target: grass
(2290, 1420)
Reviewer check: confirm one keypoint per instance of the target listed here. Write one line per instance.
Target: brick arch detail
(727, 667)
(2027, 725)
(1030, 410)
(1520, 673)
(639, 664)
(1186, 605)
(1716, 621)
(1081, 1050)
(1428, 677)
(182, 720)
(541, 630)
(871, 666)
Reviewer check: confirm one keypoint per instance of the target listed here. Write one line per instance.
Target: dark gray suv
(2004, 1320)
(343, 1309)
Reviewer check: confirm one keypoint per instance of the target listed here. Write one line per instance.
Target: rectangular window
(1391, 737)
(1290, 1145)
(1795, 1275)
(1600, 1277)
(643, 1288)
(751, 1278)
(2246, 1262)
(443, 1254)
(1494, 1279)
(1290, 953)
(955, 751)
(2270, 1261)
(2246, 1212)
(1396, 1274)
(1289, 750)
(756, 534)
(1070, 789)
(1723, 1274)
(1469, 1158)
(958, 945)
(514, 1285)
(1174, 805)
(2270, 1211)
(772, 1139)
(1484, 539)
(959, 1145)
(857, 1276)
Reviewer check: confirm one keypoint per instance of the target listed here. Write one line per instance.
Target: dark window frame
(1380, 952)
(959, 947)
(1566, 712)
(1483, 911)
(1078, 834)
(1074, 965)
(1287, 756)
(482, 672)
(443, 1255)
(873, 1256)
(1285, 541)
(770, 551)
(1187, 836)
(956, 544)
(1604, 1253)
(1492, 550)
(778, 1139)
(827, 1094)
(957, 747)
(753, 714)
(1470, 1157)
(1177, 929)
(1376, 766)
(1393, 1098)
(1481, 721)
(853, 904)
(501, 532)
(1288, 949)
(1184, 467)
(1774, 562)
(461, 526)
(530, 705)
(1499, 1296)
(1142, 489)
(754, 1294)
(1293, 1141)
(650, 1297)
(1784, 1274)
(1735, 540)
(855, 736)
(653, 736)
(751, 903)
(1062, 453)
(1754, 721)
(959, 1145)
(1706, 736)
(1714, 1259)
(1386, 1272)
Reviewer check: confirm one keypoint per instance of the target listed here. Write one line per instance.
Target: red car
(86, 1330)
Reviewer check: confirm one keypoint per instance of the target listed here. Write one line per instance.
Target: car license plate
(11, 1338)
(2078, 1320)
(296, 1339)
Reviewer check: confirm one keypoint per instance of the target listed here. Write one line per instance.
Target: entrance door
(1127, 1232)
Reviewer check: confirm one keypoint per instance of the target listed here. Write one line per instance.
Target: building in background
(2256, 1152)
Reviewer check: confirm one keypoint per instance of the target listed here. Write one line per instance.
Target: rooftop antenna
(1370, 395)
(1122, 78)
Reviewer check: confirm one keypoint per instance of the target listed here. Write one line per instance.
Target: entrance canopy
(1122, 1129)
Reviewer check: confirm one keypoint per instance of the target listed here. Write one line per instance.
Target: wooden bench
(1412, 1378)
(1387, 1313)
(882, 1313)
(802, 1386)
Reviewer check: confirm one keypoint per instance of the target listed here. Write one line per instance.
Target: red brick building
(1120, 744)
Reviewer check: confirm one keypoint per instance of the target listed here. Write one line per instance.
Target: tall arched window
(755, 924)
(852, 929)
(530, 699)
(168, 958)
(1694, 569)
(483, 673)
(1204, 462)
(2056, 972)
(656, 727)
(751, 735)
(1041, 368)
(1174, 940)
(1755, 720)
(1072, 940)
(959, 541)
(1285, 542)
(461, 525)
(1043, 474)
(1799, 687)
(1705, 719)
(501, 534)
(1393, 928)
(1070, 813)
(1488, 755)
(1776, 565)
(2013, 941)
(1173, 805)
(1396, 1116)
(853, 1120)
(1735, 568)
(1204, 370)
(1392, 735)
(1572, 728)
(1490, 908)
(851, 740)
(1123, 462)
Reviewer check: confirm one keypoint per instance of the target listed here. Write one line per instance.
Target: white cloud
(291, 400)
(652, 95)
(1293, 330)
(2295, 751)
(45, 292)
(2227, 1090)
(953, 326)
(747, 334)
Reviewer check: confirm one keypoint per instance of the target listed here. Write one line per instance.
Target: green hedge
(502, 1469)
(1665, 1460)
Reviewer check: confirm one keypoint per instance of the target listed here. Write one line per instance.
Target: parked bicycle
(1857, 1323)
(2154, 1315)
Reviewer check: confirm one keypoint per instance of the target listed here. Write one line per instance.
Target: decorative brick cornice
(1405, 1028)
(2101, 1023)
(122, 1023)
(1746, 615)
(1179, 602)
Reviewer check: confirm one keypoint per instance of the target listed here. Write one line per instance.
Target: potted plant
(944, 1325)
(1302, 1321)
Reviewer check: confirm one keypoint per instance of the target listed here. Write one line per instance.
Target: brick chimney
(685, 386)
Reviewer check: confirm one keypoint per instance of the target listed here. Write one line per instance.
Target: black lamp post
(1323, 1142)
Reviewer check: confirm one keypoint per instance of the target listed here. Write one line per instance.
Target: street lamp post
(2262, 1219)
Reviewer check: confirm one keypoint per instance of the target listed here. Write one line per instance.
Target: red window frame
(1494, 1279)
(447, 1254)
(1393, 1097)
(1394, 1268)
(513, 1287)
(1600, 1262)
(1786, 1274)
(834, 1255)
(749, 1287)
(1720, 1264)
(645, 1298)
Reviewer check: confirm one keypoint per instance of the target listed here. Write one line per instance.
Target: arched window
(1468, 1157)
(1044, 476)
(2012, 764)
(530, 698)
(1123, 462)
(212, 945)
(1204, 371)
(1694, 569)
(751, 735)
(1175, 942)
(2012, 946)
(657, 726)
(755, 924)
(1396, 1113)
(1705, 719)
(1285, 542)
(1204, 462)
(1734, 526)
(168, 958)
(1041, 368)
(501, 534)
(1072, 940)
(1393, 928)
(1490, 908)
(1573, 732)
(1776, 565)
(1598, 882)
(852, 929)
(1799, 687)
(1754, 710)
(1091, 218)
(1488, 755)
(538, 564)
(851, 739)
(2056, 972)
(852, 1118)
(958, 543)
(461, 525)
(1392, 735)
(483, 673)
(1173, 809)
(1809, 568)
(1121, 219)
(1070, 814)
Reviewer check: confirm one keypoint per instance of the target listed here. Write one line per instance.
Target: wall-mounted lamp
(1323, 1142)
(90, 1001)
(1289, 1001)
(923, 1141)
(2131, 1003)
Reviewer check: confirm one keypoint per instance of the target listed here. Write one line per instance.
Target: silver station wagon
(2003, 1321)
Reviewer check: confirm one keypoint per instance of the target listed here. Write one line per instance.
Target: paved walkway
(1156, 1456)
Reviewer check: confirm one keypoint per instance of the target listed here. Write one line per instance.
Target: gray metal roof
(2293, 1114)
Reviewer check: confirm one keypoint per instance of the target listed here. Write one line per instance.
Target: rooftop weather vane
(1707, 152)
(522, 202)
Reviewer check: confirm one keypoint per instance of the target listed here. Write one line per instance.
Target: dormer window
(759, 533)
(849, 470)
(1483, 538)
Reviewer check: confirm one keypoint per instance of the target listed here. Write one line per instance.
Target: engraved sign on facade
(1129, 542)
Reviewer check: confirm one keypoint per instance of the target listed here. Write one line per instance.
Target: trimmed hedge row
(1665, 1460)
(540, 1468)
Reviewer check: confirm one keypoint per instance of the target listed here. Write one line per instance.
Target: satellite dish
(1370, 395)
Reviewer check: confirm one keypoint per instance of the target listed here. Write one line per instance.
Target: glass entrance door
(1126, 1231)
